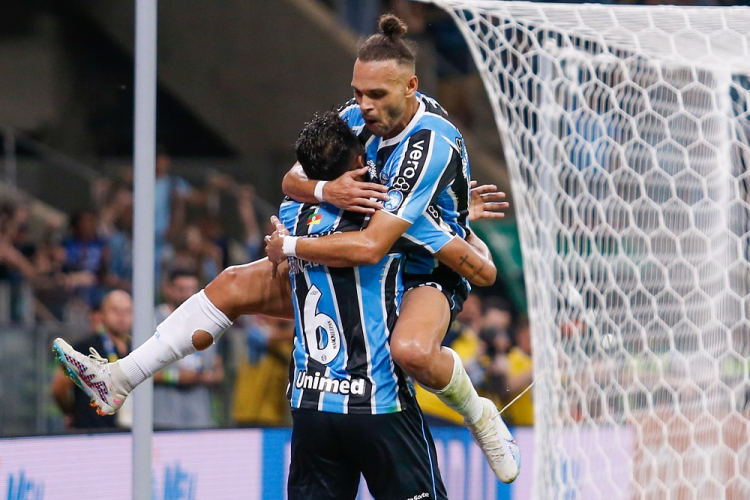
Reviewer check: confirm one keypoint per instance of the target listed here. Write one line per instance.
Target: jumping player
(419, 155)
(348, 375)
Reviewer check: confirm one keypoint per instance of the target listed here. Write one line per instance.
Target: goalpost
(626, 131)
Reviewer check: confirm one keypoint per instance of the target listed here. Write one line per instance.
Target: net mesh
(626, 131)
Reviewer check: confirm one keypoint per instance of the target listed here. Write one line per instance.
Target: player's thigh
(400, 460)
(253, 288)
(321, 468)
(424, 317)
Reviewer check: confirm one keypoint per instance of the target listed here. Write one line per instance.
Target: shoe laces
(489, 436)
(101, 363)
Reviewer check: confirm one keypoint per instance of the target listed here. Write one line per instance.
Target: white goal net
(626, 131)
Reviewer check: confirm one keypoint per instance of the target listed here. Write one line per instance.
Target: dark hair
(495, 302)
(388, 44)
(78, 216)
(162, 150)
(181, 272)
(326, 147)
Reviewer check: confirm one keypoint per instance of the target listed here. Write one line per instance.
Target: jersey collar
(400, 137)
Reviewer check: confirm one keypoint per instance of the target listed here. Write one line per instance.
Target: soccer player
(354, 411)
(364, 379)
(418, 154)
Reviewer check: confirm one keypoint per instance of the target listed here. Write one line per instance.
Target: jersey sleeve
(288, 214)
(418, 172)
(349, 112)
(429, 232)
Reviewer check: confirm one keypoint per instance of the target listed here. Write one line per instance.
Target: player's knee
(225, 291)
(413, 355)
(228, 280)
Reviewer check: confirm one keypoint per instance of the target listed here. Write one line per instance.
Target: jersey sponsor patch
(401, 184)
(316, 382)
(395, 198)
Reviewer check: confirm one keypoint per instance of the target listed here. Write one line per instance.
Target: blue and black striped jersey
(426, 167)
(344, 318)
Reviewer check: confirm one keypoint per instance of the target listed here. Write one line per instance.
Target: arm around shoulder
(297, 186)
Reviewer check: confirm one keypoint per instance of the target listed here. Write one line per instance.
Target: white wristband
(319, 191)
(289, 246)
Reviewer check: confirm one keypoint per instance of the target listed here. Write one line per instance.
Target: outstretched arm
(346, 192)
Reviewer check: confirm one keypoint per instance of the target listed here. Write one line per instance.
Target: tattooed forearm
(465, 260)
(474, 274)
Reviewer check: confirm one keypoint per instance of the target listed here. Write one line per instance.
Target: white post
(144, 154)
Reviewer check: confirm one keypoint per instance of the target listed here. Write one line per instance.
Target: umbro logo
(372, 170)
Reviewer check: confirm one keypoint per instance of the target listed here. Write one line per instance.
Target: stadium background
(236, 81)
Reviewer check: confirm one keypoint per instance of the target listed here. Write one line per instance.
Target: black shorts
(453, 286)
(394, 452)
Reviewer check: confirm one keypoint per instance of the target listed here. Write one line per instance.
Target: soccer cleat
(93, 375)
(497, 443)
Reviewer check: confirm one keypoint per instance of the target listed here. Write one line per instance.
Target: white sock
(459, 394)
(173, 339)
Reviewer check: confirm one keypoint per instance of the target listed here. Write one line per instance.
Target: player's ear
(359, 162)
(411, 86)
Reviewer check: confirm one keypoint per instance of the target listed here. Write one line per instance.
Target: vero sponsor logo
(413, 157)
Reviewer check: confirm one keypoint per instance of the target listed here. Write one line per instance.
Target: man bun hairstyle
(326, 147)
(388, 44)
(392, 26)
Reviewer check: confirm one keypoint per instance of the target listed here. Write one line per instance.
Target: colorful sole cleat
(92, 374)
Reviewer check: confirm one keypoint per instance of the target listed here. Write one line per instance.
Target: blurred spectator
(120, 243)
(51, 283)
(112, 198)
(193, 251)
(170, 191)
(262, 378)
(253, 239)
(182, 392)
(496, 342)
(86, 258)
(471, 314)
(212, 230)
(110, 337)
(17, 270)
(172, 196)
(520, 375)
(497, 314)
